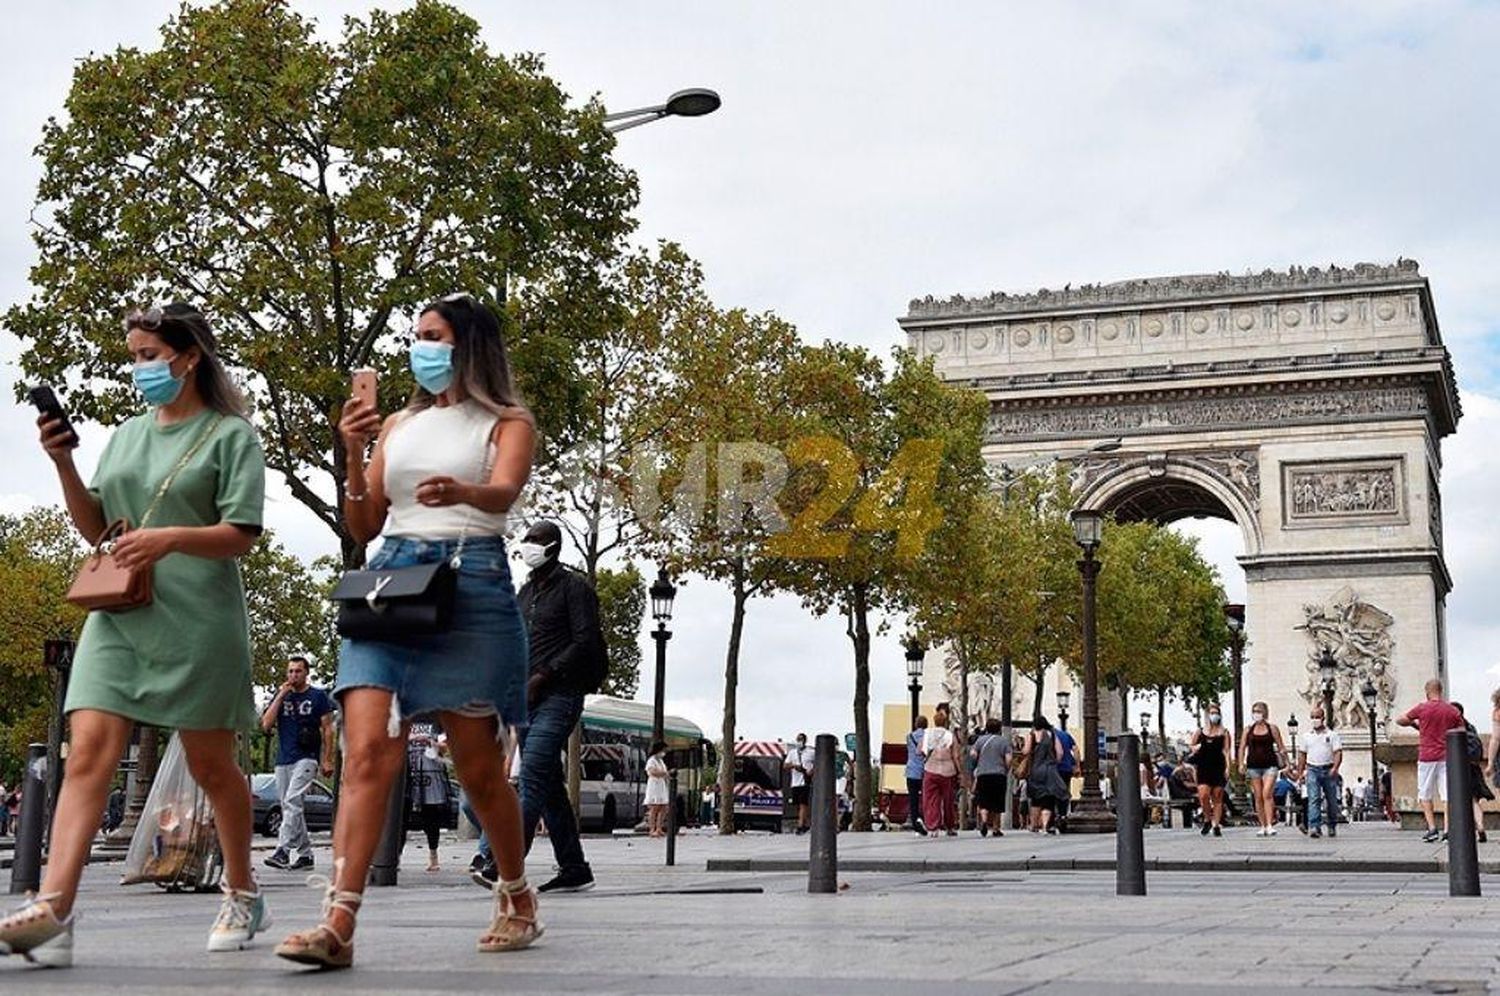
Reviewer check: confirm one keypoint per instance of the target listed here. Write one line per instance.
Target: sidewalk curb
(1431, 866)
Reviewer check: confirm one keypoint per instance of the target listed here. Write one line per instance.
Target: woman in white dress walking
(657, 797)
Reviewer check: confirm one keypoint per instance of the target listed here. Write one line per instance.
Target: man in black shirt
(568, 661)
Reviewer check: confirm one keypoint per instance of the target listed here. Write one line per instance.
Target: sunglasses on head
(150, 319)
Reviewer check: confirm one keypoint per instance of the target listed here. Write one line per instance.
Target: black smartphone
(46, 402)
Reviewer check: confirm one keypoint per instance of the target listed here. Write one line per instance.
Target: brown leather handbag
(102, 584)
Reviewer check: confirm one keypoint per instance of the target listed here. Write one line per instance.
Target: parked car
(317, 805)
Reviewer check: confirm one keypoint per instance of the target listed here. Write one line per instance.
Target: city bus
(616, 743)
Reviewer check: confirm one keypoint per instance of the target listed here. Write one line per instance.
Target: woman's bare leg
(372, 760)
(94, 747)
(480, 763)
(210, 758)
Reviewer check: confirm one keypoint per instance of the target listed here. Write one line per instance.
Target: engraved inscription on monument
(1362, 491)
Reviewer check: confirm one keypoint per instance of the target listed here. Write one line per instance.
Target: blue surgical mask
(432, 365)
(153, 378)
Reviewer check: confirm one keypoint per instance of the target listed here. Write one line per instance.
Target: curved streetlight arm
(642, 117)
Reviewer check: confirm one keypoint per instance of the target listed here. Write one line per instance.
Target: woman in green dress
(184, 660)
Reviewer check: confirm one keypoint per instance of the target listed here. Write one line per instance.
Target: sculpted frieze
(1101, 418)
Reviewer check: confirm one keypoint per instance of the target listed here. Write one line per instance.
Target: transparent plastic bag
(175, 845)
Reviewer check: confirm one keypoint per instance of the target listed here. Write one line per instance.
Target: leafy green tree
(39, 556)
(622, 607)
(726, 407)
(888, 457)
(308, 193)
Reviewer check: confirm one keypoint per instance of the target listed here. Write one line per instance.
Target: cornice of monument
(1163, 291)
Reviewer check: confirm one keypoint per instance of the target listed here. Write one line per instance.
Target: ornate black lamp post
(916, 651)
(1062, 709)
(1090, 815)
(662, 594)
(1291, 731)
(1234, 616)
(1327, 670)
(1370, 695)
(1145, 734)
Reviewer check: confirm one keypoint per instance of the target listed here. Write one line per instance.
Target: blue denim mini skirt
(477, 667)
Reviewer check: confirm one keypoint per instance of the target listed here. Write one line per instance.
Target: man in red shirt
(1433, 719)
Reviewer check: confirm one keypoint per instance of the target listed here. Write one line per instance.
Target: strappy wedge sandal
(510, 930)
(324, 946)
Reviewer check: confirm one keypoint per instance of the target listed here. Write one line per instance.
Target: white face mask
(1317, 724)
(1260, 717)
(1214, 718)
(533, 554)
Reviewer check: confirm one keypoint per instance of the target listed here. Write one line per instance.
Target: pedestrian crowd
(444, 669)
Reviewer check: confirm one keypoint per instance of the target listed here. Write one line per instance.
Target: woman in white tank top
(443, 474)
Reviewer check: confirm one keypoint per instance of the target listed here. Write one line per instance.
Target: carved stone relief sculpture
(1358, 635)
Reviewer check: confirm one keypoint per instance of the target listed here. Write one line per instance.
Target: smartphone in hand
(363, 385)
(45, 400)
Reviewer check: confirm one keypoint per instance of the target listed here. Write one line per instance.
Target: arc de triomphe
(1307, 407)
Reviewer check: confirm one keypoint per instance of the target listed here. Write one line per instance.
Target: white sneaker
(1261, 832)
(1270, 831)
(242, 915)
(35, 933)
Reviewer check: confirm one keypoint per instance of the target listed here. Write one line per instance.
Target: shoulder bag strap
(486, 466)
(161, 492)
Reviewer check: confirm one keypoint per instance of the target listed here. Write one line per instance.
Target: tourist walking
(1322, 755)
(427, 789)
(443, 474)
(302, 717)
(658, 794)
(799, 766)
(1211, 747)
(940, 772)
(914, 776)
(1261, 754)
(1433, 718)
(4, 811)
(1045, 786)
(568, 660)
(1067, 767)
(188, 479)
(991, 754)
(1479, 788)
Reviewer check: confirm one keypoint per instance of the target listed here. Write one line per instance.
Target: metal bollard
(1130, 826)
(672, 818)
(385, 867)
(26, 866)
(1463, 849)
(823, 857)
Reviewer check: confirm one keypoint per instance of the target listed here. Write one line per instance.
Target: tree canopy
(309, 194)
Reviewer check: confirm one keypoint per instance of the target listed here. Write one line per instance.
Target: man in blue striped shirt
(914, 765)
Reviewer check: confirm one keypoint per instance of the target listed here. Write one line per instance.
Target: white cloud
(868, 153)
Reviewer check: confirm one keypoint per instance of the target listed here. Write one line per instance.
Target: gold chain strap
(161, 492)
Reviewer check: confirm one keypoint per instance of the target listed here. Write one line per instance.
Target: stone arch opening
(1166, 491)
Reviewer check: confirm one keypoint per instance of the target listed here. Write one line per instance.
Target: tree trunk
(1161, 716)
(962, 726)
(1041, 679)
(731, 684)
(859, 633)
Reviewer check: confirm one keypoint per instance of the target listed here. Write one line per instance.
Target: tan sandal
(324, 946)
(510, 930)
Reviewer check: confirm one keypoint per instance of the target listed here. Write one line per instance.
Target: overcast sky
(868, 153)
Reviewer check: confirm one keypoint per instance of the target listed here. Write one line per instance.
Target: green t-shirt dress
(184, 660)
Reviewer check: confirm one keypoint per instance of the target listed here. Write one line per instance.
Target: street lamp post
(662, 594)
(691, 103)
(1327, 670)
(1291, 730)
(1234, 616)
(915, 652)
(1091, 815)
(1145, 734)
(1062, 710)
(1370, 695)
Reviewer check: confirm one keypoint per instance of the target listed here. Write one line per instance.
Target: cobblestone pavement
(683, 930)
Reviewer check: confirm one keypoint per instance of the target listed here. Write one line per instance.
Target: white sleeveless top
(452, 441)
